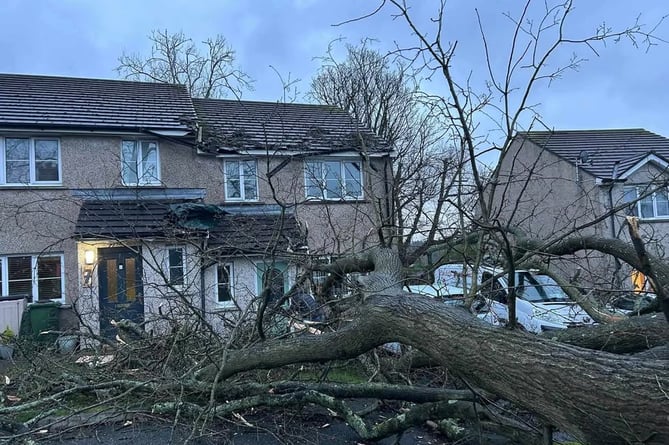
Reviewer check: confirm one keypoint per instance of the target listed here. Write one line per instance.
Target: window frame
(636, 206)
(231, 273)
(34, 275)
(241, 178)
(344, 195)
(139, 164)
(170, 280)
(32, 162)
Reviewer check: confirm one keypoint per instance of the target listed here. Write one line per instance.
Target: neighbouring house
(129, 199)
(556, 183)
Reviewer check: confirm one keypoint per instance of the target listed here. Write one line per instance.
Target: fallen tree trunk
(632, 334)
(599, 397)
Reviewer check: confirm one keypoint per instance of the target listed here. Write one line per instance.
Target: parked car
(541, 304)
(450, 282)
(632, 303)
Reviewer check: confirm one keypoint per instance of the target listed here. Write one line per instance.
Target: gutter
(38, 127)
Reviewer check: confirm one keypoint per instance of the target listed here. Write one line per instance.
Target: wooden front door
(121, 291)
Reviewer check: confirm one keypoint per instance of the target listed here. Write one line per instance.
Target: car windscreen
(552, 290)
(539, 288)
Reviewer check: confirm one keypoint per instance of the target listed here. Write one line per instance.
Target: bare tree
(207, 71)
(383, 93)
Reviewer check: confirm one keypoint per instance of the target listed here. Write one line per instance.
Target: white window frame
(241, 178)
(169, 266)
(4, 274)
(231, 280)
(142, 180)
(32, 180)
(640, 190)
(345, 195)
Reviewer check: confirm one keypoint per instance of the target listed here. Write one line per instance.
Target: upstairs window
(40, 277)
(140, 163)
(241, 180)
(654, 205)
(29, 161)
(333, 179)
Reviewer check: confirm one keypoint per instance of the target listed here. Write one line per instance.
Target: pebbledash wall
(39, 220)
(165, 303)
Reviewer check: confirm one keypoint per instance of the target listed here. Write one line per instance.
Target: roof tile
(601, 150)
(47, 101)
(247, 125)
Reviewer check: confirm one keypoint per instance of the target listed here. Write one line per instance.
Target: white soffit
(649, 159)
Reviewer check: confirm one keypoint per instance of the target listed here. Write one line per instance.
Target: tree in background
(384, 94)
(209, 70)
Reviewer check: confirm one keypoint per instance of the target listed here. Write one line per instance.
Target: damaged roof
(31, 101)
(602, 153)
(230, 233)
(231, 125)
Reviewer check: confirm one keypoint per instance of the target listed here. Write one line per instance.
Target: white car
(541, 304)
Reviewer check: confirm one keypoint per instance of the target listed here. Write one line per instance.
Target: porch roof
(230, 233)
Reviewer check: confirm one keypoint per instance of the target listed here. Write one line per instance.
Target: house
(556, 183)
(134, 200)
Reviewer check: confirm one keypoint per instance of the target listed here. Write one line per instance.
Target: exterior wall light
(89, 257)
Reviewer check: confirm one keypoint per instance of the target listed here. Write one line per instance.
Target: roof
(230, 233)
(232, 125)
(257, 234)
(57, 102)
(122, 219)
(599, 151)
(48, 102)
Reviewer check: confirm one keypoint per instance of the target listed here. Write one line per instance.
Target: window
(333, 179)
(29, 161)
(241, 180)
(654, 205)
(140, 163)
(19, 276)
(176, 266)
(40, 277)
(224, 292)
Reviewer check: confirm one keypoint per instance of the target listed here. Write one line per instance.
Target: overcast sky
(623, 87)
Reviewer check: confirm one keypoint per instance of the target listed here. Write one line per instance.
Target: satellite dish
(584, 157)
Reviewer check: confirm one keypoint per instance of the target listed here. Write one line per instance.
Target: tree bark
(632, 334)
(598, 397)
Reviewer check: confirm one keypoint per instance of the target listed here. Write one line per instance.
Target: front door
(120, 278)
